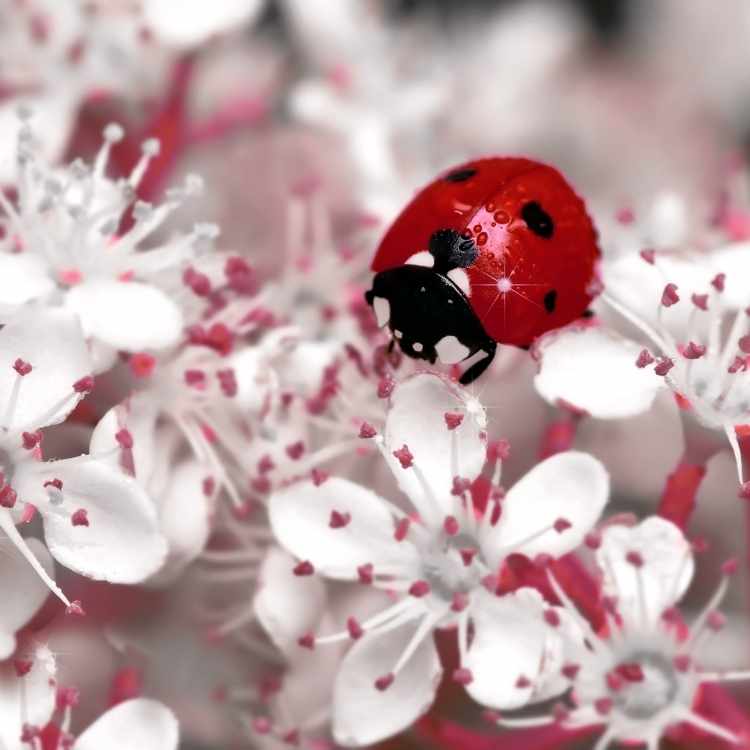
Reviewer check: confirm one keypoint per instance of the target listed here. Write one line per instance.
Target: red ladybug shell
(531, 274)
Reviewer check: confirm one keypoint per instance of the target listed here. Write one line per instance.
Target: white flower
(96, 521)
(139, 723)
(682, 307)
(437, 564)
(65, 245)
(31, 699)
(639, 677)
(194, 23)
(179, 487)
(28, 691)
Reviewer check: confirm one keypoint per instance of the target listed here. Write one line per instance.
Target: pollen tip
(562, 524)
(80, 517)
(84, 384)
(304, 568)
(404, 456)
(307, 641)
(366, 430)
(365, 573)
(634, 558)
(75, 608)
(669, 296)
(419, 589)
(453, 419)
(384, 682)
(339, 520)
(644, 359)
(22, 367)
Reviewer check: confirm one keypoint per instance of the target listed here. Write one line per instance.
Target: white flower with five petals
(439, 563)
(96, 521)
(639, 677)
(65, 246)
(693, 318)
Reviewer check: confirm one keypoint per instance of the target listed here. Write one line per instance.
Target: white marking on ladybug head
(398, 334)
(382, 310)
(450, 350)
(422, 258)
(417, 346)
(461, 279)
(504, 285)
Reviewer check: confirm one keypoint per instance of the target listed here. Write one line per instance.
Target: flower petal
(664, 576)
(511, 641)
(34, 692)
(300, 516)
(362, 714)
(193, 24)
(287, 606)
(121, 544)
(595, 370)
(21, 590)
(140, 723)
(416, 418)
(126, 314)
(23, 277)
(572, 486)
(184, 518)
(52, 342)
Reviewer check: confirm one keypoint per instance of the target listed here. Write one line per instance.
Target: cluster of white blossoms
(223, 417)
(263, 525)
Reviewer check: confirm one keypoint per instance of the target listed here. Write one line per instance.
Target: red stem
(560, 434)
(677, 501)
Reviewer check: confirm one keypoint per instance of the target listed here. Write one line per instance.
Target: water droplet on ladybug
(502, 217)
(482, 238)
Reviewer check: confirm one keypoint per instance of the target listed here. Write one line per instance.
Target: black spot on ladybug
(550, 300)
(452, 250)
(460, 175)
(538, 220)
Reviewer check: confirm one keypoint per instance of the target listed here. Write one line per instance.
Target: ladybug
(494, 251)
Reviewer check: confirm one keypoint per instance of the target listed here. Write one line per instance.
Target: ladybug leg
(473, 372)
(391, 345)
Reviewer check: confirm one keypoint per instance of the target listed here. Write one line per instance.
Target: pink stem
(235, 115)
(560, 434)
(677, 501)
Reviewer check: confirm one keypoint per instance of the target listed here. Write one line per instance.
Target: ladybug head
(425, 306)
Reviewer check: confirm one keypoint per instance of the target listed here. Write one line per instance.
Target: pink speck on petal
(339, 520)
(80, 517)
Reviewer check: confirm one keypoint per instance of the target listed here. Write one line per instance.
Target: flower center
(448, 571)
(649, 685)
